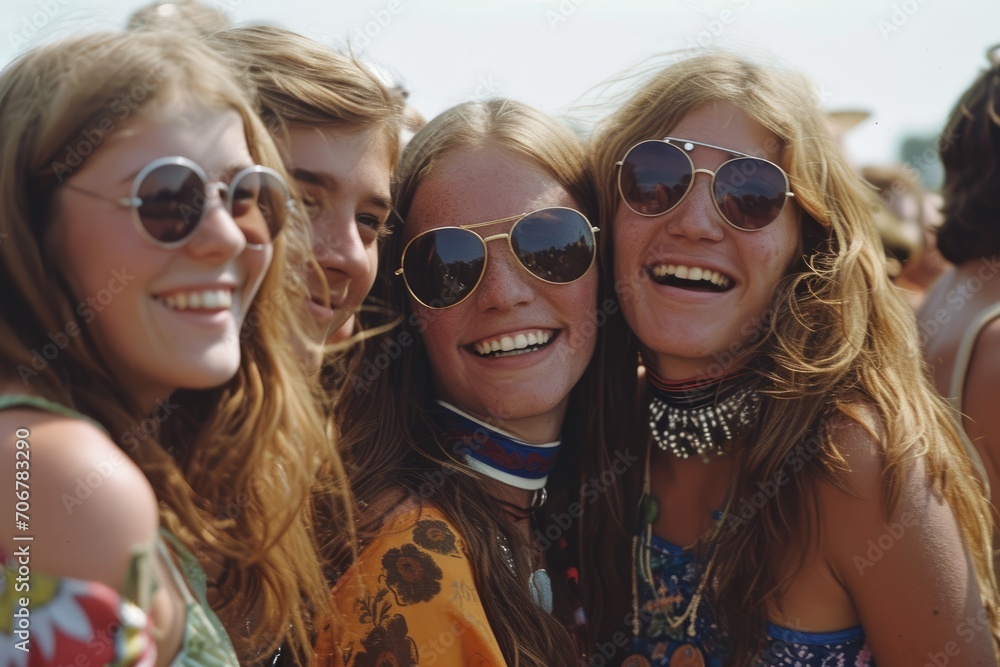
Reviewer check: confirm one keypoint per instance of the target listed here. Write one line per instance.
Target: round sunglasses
(442, 267)
(655, 175)
(170, 195)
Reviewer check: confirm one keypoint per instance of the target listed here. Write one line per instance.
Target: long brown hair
(388, 438)
(836, 332)
(233, 466)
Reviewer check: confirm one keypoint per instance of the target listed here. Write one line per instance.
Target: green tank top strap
(206, 641)
(8, 401)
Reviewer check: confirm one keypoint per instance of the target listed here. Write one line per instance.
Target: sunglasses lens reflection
(173, 201)
(555, 244)
(258, 205)
(654, 177)
(750, 192)
(442, 266)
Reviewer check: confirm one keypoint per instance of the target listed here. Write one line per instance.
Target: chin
(520, 404)
(209, 374)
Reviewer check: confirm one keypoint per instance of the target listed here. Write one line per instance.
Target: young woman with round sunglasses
(152, 413)
(804, 498)
(452, 439)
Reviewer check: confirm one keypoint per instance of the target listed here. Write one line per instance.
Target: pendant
(687, 655)
(635, 661)
(649, 508)
(540, 586)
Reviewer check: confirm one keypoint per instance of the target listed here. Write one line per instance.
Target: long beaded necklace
(687, 655)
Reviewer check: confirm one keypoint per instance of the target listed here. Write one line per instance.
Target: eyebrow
(326, 181)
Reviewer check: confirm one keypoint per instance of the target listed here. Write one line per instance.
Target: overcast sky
(904, 61)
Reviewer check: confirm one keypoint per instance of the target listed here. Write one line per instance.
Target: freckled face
(530, 384)
(688, 330)
(139, 299)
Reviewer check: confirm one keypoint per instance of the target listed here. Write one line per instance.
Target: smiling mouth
(201, 300)
(512, 346)
(689, 277)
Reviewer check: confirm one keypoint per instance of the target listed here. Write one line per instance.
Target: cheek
(442, 331)
(577, 303)
(369, 277)
(256, 264)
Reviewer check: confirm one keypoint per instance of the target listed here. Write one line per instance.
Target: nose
(505, 284)
(696, 216)
(217, 234)
(338, 246)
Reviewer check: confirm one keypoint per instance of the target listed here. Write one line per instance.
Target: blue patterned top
(676, 575)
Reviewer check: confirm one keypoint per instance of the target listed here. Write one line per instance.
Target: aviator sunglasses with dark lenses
(170, 194)
(655, 175)
(443, 266)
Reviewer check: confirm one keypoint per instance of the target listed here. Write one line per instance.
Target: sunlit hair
(232, 467)
(970, 151)
(835, 339)
(389, 440)
(178, 15)
(299, 82)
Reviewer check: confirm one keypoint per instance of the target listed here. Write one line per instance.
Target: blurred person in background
(960, 320)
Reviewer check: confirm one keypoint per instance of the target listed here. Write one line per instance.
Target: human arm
(411, 594)
(92, 520)
(907, 573)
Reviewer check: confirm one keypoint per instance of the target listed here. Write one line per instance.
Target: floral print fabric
(410, 599)
(69, 622)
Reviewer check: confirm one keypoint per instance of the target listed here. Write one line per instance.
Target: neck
(497, 452)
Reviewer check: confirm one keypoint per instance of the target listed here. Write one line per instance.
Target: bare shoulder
(89, 505)
(905, 567)
(856, 434)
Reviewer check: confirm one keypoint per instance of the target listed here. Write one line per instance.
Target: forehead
(466, 186)
(211, 136)
(724, 124)
(314, 146)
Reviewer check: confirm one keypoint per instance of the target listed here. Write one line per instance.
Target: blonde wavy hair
(299, 81)
(233, 467)
(389, 439)
(839, 338)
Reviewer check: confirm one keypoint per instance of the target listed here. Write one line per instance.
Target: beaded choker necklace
(696, 417)
(496, 453)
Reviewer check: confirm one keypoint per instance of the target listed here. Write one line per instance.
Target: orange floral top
(410, 599)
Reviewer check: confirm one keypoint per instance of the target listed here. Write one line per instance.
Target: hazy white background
(905, 61)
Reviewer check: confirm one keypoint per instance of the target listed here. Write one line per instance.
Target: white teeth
(516, 344)
(199, 300)
(690, 273)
